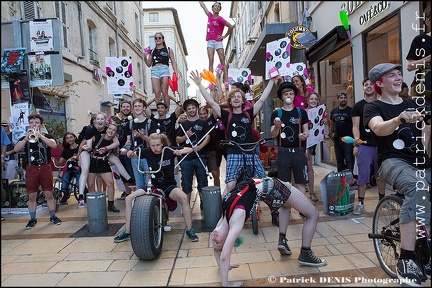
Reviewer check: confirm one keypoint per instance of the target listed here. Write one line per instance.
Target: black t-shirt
(100, 165)
(420, 48)
(165, 126)
(199, 128)
(239, 128)
(123, 131)
(164, 178)
(405, 142)
(140, 126)
(38, 153)
(67, 153)
(292, 127)
(246, 199)
(365, 134)
(93, 131)
(342, 122)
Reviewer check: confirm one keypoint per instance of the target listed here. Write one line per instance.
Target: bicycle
(386, 236)
(73, 186)
(248, 173)
(149, 216)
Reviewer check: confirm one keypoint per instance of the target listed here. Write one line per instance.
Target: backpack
(229, 121)
(279, 111)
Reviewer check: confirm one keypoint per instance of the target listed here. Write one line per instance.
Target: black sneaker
(123, 196)
(275, 218)
(283, 247)
(427, 270)
(55, 220)
(191, 235)
(32, 223)
(408, 272)
(308, 258)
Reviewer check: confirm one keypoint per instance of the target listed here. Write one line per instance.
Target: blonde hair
(162, 137)
(231, 95)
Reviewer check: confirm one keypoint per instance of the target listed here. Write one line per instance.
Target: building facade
(89, 32)
(381, 31)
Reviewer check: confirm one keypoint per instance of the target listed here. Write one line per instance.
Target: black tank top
(247, 194)
(160, 56)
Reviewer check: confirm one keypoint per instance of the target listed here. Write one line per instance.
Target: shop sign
(292, 35)
(372, 12)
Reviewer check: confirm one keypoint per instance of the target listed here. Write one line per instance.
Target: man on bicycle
(239, 128)
(402, 159)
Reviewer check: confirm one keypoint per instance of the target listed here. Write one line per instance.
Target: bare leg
(221, 55)
(85, 168)
(122, 170)
(91, 182)
(210, 54)
(108, 180)
(165, 95)
(157, 89)
(178, 195)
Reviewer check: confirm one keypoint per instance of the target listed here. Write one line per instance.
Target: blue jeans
(141, 179)
(188, 169)
(67, 178)
(344, 155)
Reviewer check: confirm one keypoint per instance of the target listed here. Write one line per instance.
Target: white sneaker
(167, 228)
(359, 209)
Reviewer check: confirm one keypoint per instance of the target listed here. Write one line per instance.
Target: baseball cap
(286, 85)
(377, 71)
(162, 103)
(190, 102)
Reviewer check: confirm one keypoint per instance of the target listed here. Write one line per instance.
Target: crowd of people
(388, 147)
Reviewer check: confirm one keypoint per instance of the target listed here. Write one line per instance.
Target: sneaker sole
(406, 283)
(122, 240)
(193, 240)
(283, 251)
(357, 213)
(29, 228)
(57, 224)
(312, 264)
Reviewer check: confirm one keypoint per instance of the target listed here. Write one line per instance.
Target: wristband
(179, 103)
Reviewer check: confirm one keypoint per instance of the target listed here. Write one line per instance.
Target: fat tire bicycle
(248, 173)
(386, 236)
(149, 216)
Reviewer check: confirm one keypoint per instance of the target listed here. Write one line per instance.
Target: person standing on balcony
(214, 37)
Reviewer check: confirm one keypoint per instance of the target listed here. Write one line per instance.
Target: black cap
(286, 85)
(162, 103)
(190, 102)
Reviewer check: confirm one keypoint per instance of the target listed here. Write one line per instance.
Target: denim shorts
(407, 180)
(214, 44)
(160, 71)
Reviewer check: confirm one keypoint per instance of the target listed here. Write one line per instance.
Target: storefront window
(382, 44)
(335, 76)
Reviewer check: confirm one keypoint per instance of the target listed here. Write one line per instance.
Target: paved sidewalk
(47, 256)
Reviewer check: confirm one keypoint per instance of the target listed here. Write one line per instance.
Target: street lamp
(251, 41)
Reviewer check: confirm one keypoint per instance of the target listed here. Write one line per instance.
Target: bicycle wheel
(57, 197)
(254, 219)
(386, 224)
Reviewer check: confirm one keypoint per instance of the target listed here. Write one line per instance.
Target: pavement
(49, 255)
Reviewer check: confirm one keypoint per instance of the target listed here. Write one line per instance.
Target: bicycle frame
(59, 180)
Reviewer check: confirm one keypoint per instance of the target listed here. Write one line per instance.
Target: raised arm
(259, 104)
(196, 77)
(206, 11)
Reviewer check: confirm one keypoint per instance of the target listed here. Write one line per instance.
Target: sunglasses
(157, 38)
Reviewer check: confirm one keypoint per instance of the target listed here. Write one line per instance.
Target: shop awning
(271, 32)
(328, 43)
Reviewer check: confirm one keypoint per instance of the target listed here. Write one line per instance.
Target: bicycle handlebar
(252, 146)
(58, 167)
(160, 165)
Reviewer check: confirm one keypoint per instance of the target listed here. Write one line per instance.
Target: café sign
(293, 33)
(372, 12)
